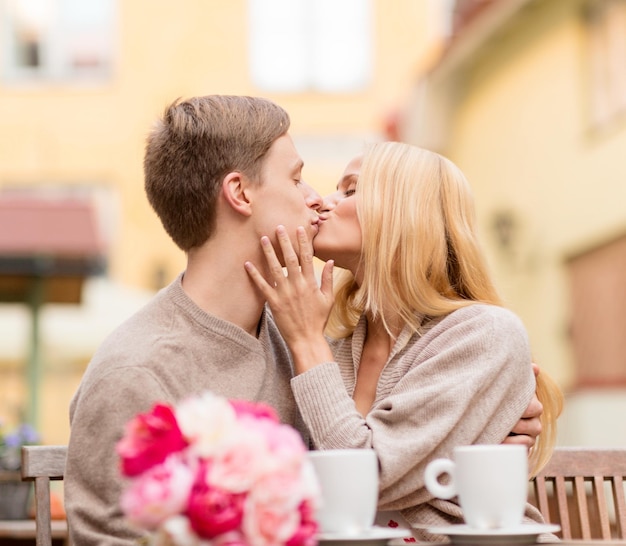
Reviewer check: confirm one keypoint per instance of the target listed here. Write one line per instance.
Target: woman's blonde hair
(421, 255)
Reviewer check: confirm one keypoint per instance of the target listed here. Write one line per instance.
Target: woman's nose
(329, 202)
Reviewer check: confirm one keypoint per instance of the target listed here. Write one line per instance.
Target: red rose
(213, 511)
(148, 439)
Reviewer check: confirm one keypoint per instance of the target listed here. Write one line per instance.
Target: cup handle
(431, 478)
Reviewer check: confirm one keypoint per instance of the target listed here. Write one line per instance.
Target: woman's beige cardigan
(464, 379)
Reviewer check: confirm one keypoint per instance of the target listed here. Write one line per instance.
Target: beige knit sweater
(167, 351)
(464, 379)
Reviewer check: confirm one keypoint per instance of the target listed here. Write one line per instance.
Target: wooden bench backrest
(582, 489)
(42, 464)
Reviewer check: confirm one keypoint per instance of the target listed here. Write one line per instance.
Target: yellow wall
(517, 137)
(60, 134)
(521, 132)
(543, 163)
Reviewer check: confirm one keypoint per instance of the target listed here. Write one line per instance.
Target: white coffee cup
(491, 482)
(348, 481)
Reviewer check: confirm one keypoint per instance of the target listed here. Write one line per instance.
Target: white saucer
(375, 536)
(521, 534)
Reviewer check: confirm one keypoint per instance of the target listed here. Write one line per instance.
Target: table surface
(26, 529)
(562, 542)
(593, 542)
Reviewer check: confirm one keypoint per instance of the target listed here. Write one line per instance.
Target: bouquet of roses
(212, 471)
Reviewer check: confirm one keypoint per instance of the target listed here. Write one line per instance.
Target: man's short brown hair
(193, 146)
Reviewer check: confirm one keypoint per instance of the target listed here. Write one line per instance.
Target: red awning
(57, 227)
(55, 240)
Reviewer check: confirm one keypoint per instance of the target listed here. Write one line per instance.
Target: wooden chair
(573, 488)
(42, 464)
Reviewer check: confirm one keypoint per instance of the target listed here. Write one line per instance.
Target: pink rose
(272, 514)
(148, 439)
(268, 522)
(205, 421)
(213, 511)
(256, 410)
(284, 443)
(240, 460)
(306, 533)
(159, 493)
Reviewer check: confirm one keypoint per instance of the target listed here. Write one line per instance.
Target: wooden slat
(23, 529)
(580, 496)
(541, 494)
(561, 502)
(42, 511)
(10, 475)
(584, 461)
(620, 505)
(599, 497)
(43, 461)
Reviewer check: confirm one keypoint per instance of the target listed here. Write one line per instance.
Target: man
(220, 171)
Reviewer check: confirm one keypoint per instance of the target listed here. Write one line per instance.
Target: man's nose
(312, 199)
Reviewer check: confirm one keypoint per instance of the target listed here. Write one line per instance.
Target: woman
(422, 356)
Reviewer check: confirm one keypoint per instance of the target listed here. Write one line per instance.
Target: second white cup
(491, 482)
(349, 485)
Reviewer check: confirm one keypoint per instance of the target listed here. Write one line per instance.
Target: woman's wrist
(310, 353)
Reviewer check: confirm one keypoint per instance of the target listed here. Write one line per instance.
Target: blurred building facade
(529, 99)
(81, 83)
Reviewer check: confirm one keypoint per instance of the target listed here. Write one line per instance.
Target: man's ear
(235, 192)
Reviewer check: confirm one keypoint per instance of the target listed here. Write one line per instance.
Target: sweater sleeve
(466, 380)
(93, 483)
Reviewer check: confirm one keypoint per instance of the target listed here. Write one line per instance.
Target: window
(607, 59)
(56, 40)
(598, 315)
(304, 45)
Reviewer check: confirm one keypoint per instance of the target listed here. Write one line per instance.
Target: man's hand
(527, 429)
